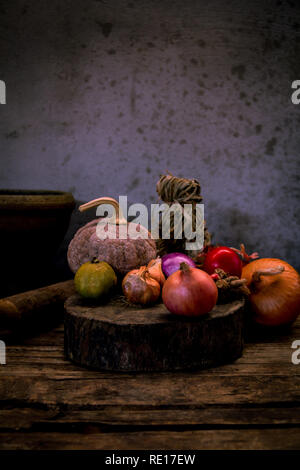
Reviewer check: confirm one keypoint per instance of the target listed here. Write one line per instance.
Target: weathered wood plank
(59, 369)
(152, 390)
(110, 418)
(273, 439)
(50, 338)
(280, 355)
(267, 352)
(257, 359)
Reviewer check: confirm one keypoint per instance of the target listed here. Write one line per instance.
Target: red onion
(171, 262)
(189, 291)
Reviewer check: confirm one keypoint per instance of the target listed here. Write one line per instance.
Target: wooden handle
(32, 304)
(120, 219)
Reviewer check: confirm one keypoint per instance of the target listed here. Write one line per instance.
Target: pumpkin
(122, 254)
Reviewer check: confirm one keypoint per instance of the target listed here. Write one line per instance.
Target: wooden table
(49, 403)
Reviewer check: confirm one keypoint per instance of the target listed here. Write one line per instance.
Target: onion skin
(140, 288)
(190, 292)
(274, 299)
(225, 258)
(155, 271)
(171, 262)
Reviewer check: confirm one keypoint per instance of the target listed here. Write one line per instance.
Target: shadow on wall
(242, 226)
(78, 220)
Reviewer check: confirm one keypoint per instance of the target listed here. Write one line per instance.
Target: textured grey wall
(103, 96)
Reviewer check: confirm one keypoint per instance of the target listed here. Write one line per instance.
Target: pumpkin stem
(95, 260)
(256, 277)
(120, 219)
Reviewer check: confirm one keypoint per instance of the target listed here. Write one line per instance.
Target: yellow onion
(274, 291)
(155, 270)
(140, 288)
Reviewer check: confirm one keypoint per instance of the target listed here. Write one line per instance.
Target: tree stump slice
(119, 337)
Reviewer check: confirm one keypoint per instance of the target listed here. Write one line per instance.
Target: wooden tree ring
(116, 336)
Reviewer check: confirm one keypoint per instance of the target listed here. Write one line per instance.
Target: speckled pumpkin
(122, 254)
